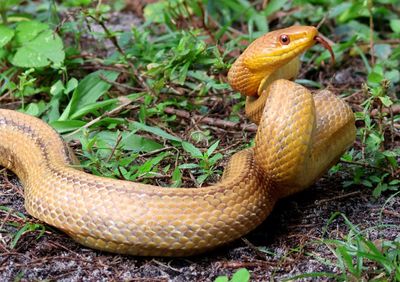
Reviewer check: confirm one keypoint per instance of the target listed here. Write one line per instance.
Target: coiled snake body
(299, 137)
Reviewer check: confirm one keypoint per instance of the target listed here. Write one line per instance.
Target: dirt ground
(289, 238)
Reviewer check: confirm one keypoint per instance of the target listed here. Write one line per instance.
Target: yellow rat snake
(300, 135)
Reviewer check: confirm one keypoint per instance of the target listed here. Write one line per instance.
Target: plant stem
(3, 14)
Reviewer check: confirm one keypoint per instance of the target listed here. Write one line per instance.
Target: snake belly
(300, 136)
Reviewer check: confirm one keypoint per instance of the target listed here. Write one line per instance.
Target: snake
(300, 135)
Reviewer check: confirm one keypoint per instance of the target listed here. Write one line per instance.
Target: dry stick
(367, 165)
(338, 197)
(119, 138)
(257, 252)
(211, 121)
(371, 34)
(117, 84)
(106, 114)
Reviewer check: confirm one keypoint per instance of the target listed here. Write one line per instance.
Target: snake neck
(255, 104)
(288, 71)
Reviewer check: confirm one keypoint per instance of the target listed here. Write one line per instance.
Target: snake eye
(284, 39)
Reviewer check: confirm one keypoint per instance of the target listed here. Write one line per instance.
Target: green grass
(359, 258)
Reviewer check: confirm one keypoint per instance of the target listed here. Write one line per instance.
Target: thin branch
(212, 121)
(106, 114)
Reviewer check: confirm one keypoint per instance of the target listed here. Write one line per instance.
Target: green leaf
(155, 130)
(202, 178)
(242, 275)
(71, 85)
(188, 166)
(88, 91)
(28, 30)
(222, 279)
(57, 88)
(374, 77)
(139, 143)
(395, 25)
(215, 158)
(192, 150)
(274, 6)
(92, 108)
(383, 51)
(28, 227)
(8, 4)
(176, 177)
(386, 101)
(64, 126)
(40, 46)
(212, 148)
(6, 34)
(35, 109)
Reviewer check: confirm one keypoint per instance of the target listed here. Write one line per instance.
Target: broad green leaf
(57, 88)
(71, 85)
(39, 46)
(64, 126)
(6, 34)
(382, 51)
(374, 77)
(241, 275)
(88, 91)
(92, 107)
(35, 109)
(393, 76)
(222, 279)
(139, 143)
(28, 30)
(395, 25)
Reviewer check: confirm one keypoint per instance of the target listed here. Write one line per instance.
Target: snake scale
(300, 135)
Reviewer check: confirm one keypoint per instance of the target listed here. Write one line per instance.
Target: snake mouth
(325, 43)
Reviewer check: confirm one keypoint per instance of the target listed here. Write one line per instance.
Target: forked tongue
(324, 43)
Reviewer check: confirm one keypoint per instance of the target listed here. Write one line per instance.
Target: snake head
(267, 54)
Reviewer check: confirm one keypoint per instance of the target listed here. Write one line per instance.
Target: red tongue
(324, 43)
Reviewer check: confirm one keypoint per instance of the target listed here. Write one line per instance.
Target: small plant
(19, 221)
(206, 163)
(359, 258)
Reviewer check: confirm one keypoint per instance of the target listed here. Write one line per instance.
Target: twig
(371, 33)
(258, 253)
(120, 85)
(106, 114)
(166, 265)
(211, 121)
(246, 264)
(119, 138)
(366, 165)
(337, 197)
